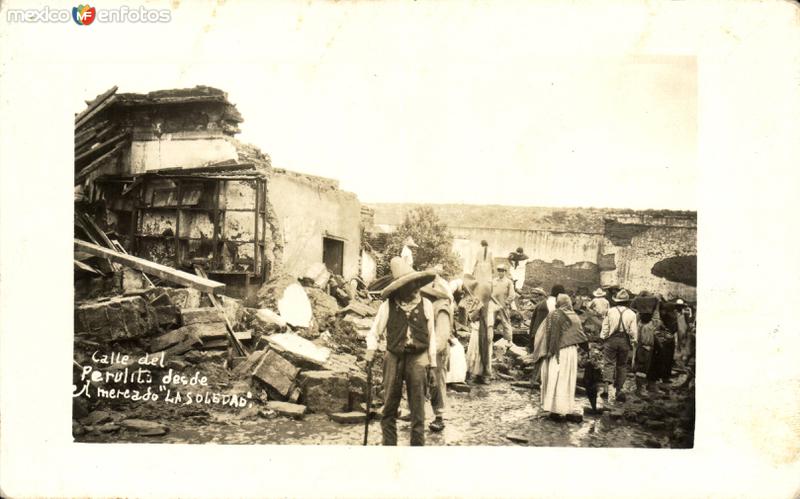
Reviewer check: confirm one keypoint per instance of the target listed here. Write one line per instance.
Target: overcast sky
(403, 102)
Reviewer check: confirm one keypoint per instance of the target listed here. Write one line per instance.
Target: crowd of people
(605, 335)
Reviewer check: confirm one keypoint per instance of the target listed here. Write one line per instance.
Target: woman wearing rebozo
(563, 334)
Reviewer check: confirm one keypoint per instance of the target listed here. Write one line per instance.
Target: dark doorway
(333, 255)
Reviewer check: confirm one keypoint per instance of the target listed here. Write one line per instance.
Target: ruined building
(582, 248)
(164, 173)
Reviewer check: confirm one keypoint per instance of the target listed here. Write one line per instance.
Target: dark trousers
(663, 359)
(439, 388)
(616, 350)
(408, 368)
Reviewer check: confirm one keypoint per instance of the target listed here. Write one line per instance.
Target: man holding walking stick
(406, 319)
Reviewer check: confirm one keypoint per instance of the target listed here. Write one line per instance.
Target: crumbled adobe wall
(635, 260)
(569, 247)
(582, 276)
(307, 208)
(178, 136)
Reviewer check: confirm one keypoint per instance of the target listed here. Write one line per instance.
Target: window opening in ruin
(333, 255)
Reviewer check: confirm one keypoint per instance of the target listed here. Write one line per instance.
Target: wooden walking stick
(369, 400)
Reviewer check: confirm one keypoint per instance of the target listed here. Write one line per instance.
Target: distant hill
(584, 220)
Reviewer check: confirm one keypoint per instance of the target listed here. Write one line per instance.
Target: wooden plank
(161, 271)
(95, 150)
(94, 113)
(231, 333)
(98, 100)
(94, 165)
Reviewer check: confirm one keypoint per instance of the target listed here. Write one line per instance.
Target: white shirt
(378, 330)
(629, 321)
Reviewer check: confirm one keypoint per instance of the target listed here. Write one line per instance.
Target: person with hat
(405, 319)
(517, 271)
(621, 334)
(406, 253)
(504, 294)
(599, 304)
(441, 296)
(481, 310)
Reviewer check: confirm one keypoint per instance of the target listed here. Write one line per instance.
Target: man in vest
(405, 319)
(621, 334)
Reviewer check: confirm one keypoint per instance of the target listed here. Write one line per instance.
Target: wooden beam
(161, 271)
(97, 163)
(94, 106)
(80, 158)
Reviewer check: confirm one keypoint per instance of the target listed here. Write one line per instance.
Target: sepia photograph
(396, 248)
(222, 296)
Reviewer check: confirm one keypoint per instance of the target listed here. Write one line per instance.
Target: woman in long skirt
(481, 316)
(559, 370)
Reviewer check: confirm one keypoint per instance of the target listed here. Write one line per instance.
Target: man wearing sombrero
(406, 320)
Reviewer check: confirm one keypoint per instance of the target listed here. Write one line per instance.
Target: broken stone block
(348, 417)
(184, 297)
(153, 432)
(500, 347)
(324, 307)
(167, 340)
(140, 425)
(325, 391)
(201, 315)
(247, 366)
(522, 384)
(287, 409)
(189, 342)
(104, 428)
(277, 373)
(119, 318)
(132, 280)
(299, 349)
(295, 307)
(96, 417)
(654, 424)
(267, 320)
(319, 274)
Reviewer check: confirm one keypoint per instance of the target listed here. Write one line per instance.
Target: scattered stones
(153, 432)
(654, 424)
(348, 417)
(358, 308)
(141, 425)
(268, 320)
(325, 391)
(517, 437)
(96, 417)
(295, 307)
(119, 318)
(104, 428)
(276, 372)
(299, 349)
(200, 316)
(295, 411)
(247, 367)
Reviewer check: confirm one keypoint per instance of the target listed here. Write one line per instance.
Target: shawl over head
(563, 327)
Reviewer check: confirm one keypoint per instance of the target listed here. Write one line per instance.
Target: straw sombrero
(435, 290)
(599, 293)
(621, 296)
(403, 273)
(410, 242)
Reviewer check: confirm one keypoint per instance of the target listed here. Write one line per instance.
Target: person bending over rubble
(406, 320)
(440, 294)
